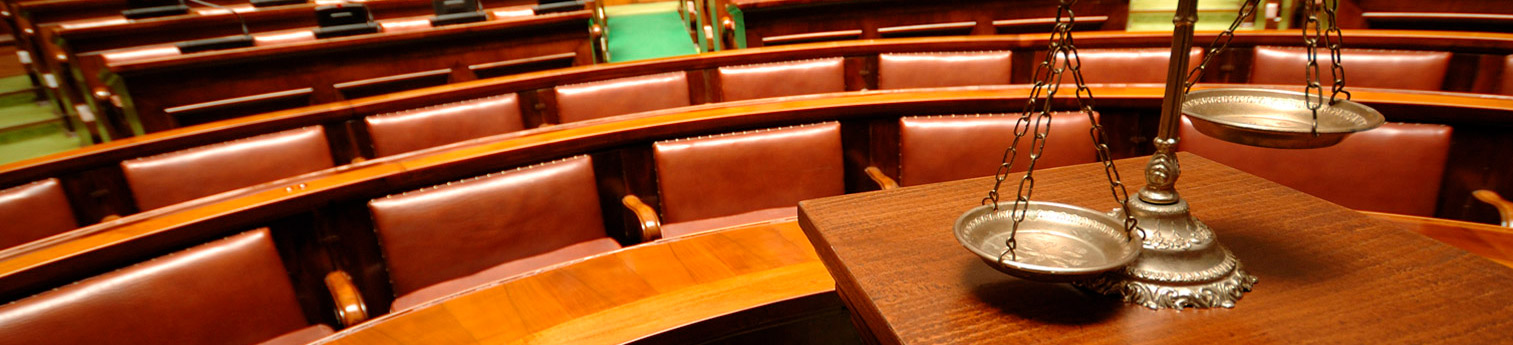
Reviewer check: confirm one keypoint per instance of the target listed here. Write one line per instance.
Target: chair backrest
(416, 129)
(578, 102)
(1393, 69)
(943, 69)
(33, 211)
(727, 174)
(230, 291)
(1395, 168)
(1127, 65)
(1507, 76)
(174, 177)
(779, 79)
(453, 230)
(944, 148)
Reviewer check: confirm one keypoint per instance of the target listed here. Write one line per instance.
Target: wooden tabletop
(617, 297)
(1327, 274)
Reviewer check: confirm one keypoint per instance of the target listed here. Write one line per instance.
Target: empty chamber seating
(170, 178)
(231, 291)
(917, 70)
(1126, 65)
(732, 179)
(411, 130)
(944, 148)
(1392, 69)
(612, 97)
(779, 79)
(445, 239)
(1395, 168)
(33, 211)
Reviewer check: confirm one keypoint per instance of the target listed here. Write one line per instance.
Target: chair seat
(301, 337)
(506, 270)
(696, 226)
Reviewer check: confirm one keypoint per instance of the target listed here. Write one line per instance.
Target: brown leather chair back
(1126, 65)
(779, 79)
(914, 70)
(944, 148)
(444, 232)
(1507, 76)
(174, 177)
(727, 174)
(412, 130)
(230, 291)
(1393, 69)
(33, 211)
(612, 97)
(1395, 168)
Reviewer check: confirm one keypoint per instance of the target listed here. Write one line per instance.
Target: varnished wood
(1489, 241)
(650, 224)
(617, 297)
(350, 309)
(1327, 274)
(1504, 207)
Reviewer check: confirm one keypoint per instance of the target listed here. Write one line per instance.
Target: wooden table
(1327, 274)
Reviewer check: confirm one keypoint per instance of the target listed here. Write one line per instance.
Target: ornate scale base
(1182, 264)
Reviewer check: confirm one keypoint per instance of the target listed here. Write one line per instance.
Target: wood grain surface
(1327, 274)
(617, 297)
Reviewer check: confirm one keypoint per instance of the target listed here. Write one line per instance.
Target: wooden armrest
(1504, 207)
(350, 309)
(651, 225)
(881, 179)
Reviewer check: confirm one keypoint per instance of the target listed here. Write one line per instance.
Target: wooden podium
(1327, 274)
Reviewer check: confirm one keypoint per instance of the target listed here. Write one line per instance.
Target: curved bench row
(361, 219)
(97, 188)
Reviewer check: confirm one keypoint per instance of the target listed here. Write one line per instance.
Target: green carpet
(647, 31)
(30, 128)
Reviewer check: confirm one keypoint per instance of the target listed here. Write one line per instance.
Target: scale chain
(1334, 38)
(1220, 43)
(1047, 81)
(1313, 94)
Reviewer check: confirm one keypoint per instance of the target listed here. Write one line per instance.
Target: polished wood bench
(160, 89)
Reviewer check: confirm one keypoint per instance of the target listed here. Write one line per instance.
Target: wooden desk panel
(1327, 274)
(618, 297)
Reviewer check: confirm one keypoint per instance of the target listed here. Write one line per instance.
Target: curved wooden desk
(60, 259)
(617, 297)
(1489, 241)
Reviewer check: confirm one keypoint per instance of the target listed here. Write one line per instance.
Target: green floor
(29, 128)
(647, 31)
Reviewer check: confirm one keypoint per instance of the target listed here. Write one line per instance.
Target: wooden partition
(178, 90)
(93, 178)
(61, 43)
(778, 22)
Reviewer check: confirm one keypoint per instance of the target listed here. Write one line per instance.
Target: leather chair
(944, 148)
(1395, 168)
(444, 239)
(410, 130)
(33, 211)
(739, 178)
(920, 70)
(779, 79)
(1503, 206)
(174, 177)
(578, 102)
(1392, 69)
(1126, 65)
(230, 291)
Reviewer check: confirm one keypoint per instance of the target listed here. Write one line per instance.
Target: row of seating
(153, 180)
(440, 240)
